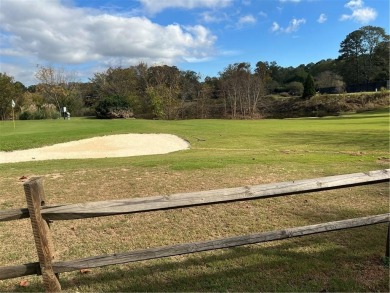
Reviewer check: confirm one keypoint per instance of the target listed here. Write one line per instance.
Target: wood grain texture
(35, 199)
(11, 215)
(387, 254)
(187, 248)
(10, 272)
(96, 209)
(152, 253)
(179, 200)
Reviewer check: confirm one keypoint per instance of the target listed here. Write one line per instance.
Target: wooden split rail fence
(40, 215)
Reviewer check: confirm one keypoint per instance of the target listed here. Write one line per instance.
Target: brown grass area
(83, 238)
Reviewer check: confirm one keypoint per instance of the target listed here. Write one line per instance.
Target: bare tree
(59, 87)
(242, 89)
(329, 79)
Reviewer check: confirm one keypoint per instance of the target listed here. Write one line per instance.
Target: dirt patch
(122, 145)
(383, 161)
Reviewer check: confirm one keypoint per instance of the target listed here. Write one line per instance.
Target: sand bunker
(122, 145)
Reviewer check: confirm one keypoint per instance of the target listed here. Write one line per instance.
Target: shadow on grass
(338, 261)
(368, 140)
(358, 116)
(320, 262)
(374, 134)
(316, 263)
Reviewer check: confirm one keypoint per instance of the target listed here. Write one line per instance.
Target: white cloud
(247, 19)
(363, 15)
(263, 14)
(275, 27)
(213, 17)
(354, 4)
(67, 35)
(360, 13)
(322, 18)
(293, 26)
(155, 6)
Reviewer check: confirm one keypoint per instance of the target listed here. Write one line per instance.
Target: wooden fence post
(35, 198)
(388, 241)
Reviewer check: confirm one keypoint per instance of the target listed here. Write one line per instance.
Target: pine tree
(309, 89)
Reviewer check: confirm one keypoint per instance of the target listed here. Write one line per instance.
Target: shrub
(114, 107)
(39, 114)
(295, 88)
(284, 94)
(326, 105)
(25, 116)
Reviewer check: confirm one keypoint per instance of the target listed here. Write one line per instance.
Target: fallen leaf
(85, 271)
(24, 283)
(23, 177)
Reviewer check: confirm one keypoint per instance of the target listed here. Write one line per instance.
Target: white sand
(122, 145)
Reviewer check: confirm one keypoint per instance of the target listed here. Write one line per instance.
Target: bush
(39, 114)
(114, 107)
(328, 105)
(284, 94)
(25, 116)
(295, 88)
(88, 112)
(272, 107)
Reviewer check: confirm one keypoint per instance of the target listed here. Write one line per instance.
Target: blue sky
(87, 36)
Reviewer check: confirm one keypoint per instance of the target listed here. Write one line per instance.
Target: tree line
(166, 92)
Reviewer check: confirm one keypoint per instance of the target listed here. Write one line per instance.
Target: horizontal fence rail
(40, 215)
(16, 214)
(187, 248)
(180, 200)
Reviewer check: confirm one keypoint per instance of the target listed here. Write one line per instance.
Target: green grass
(224, 153)
(357, 132)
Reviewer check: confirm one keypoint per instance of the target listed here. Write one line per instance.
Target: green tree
(298, 74)
(164, 89)
(322, 66)
(362, 51)
(113, 107)
(214, 84)
(263, 71)
(9, 90)
(309, 89)
(116, 81)
(350, 50)
(157, 94)
(372, 37)
(130, 82)
(382, 54)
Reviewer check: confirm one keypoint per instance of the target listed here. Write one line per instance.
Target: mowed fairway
(223, 153)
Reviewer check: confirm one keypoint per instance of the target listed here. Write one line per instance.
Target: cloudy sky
(87, 36)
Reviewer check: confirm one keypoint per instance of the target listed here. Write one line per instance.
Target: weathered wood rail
(40, 215)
